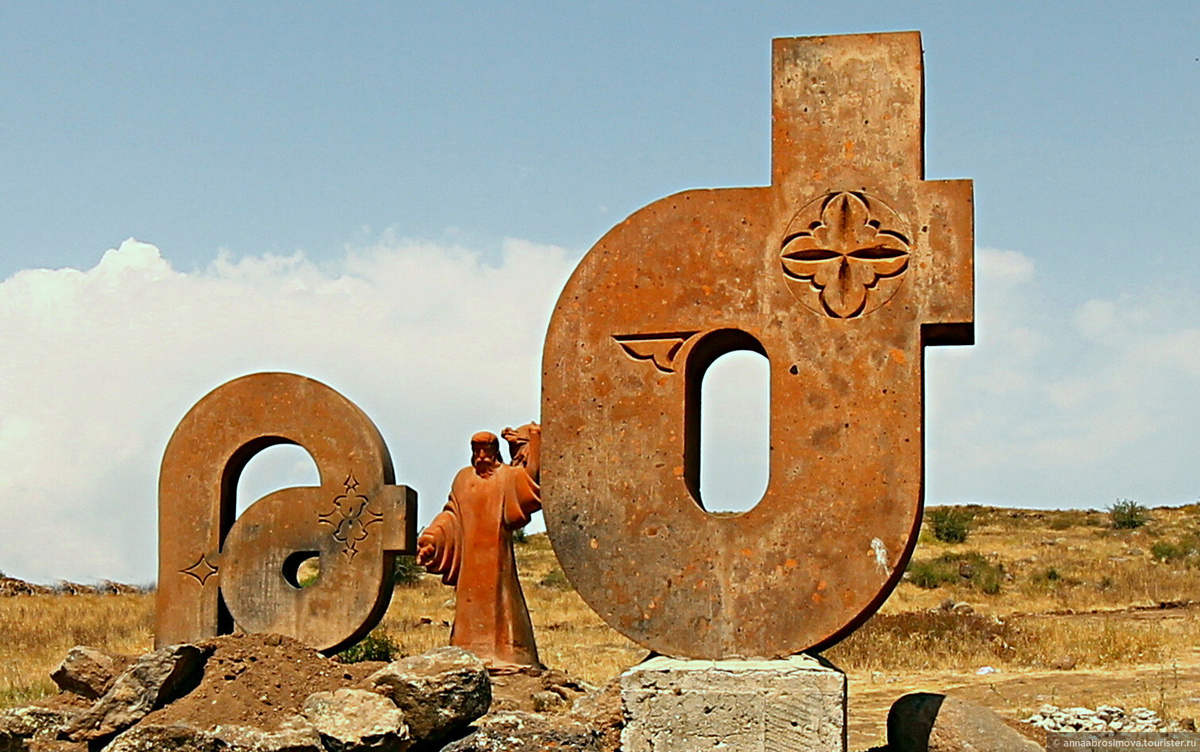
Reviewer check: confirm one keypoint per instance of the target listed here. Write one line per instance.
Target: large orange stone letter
(840, 272)
(356, 521)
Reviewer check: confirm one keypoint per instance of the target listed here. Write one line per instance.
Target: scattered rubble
(11, 586)
(1051, 718)
(267, 693)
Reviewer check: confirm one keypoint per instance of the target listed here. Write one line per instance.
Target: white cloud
(1062, 404)
(99, 366)
(1058, 403)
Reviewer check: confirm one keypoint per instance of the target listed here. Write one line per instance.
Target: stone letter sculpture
(470, 545)
(840, 272)
(356, 521)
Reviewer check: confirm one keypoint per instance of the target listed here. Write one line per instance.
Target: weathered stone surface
(547, 700)
(926, 722)
(86, 671)
(745, 706)
(470, 545)
(356, 521)
(153, 680)
(297, 735)
(42, 744)
(19, 726)
(519, 731)
(176, 737)
(440, 692)
(840, 272)
(354, 719)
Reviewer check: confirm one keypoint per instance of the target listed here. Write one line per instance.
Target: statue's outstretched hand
(426, 551)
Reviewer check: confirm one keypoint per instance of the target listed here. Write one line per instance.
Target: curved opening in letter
(727, 457)
(272, 468)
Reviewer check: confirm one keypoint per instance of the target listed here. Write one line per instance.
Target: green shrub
(520, 536)
(931, 574)
(377, 646)
(556, 580)
(408, 571)
(970, 569)
(1165, 550)
(1051, 579)
(951, 524)
(1185, 549)
(1127, 514)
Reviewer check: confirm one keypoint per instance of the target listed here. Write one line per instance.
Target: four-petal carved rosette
(845, 254)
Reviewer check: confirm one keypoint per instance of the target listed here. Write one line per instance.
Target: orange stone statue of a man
(470, 544)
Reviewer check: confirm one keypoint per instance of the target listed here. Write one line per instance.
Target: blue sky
(403, 177)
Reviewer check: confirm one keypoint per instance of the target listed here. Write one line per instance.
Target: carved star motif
(201, 570)
(842, 249)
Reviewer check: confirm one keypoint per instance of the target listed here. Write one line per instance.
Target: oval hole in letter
(302, 568)
(278, 466)
(735, 441)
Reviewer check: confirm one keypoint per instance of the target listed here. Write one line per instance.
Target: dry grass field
(1060, 605)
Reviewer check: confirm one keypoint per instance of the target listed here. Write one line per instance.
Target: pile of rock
(11, 586)
(104, 587)
(1103, 718)
(268, 693)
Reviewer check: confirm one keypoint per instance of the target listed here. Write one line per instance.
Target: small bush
(1052, 579)
(1165, 550)
(1185, 549)
(519, 536)
(408, 571)
(970, 569)
(1127, 514)
(556, 580)
(951, 524)
(377, 646)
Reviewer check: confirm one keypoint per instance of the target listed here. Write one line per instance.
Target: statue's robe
(472, 538)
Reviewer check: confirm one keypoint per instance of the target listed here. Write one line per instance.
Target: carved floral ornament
(845, 254)
(350, 517)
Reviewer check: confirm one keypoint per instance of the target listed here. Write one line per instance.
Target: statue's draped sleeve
(523, 497)
(445, 533)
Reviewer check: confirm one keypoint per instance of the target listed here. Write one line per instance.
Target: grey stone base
(794, 703)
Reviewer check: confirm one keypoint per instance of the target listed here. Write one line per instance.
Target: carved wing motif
(660, 349)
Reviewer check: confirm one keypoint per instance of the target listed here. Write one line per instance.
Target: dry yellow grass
(1095, 567)
(945, 640)
(570, 636)
(1069, 563)
(36, 631)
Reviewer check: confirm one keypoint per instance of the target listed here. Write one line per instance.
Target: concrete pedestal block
(794, 703)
